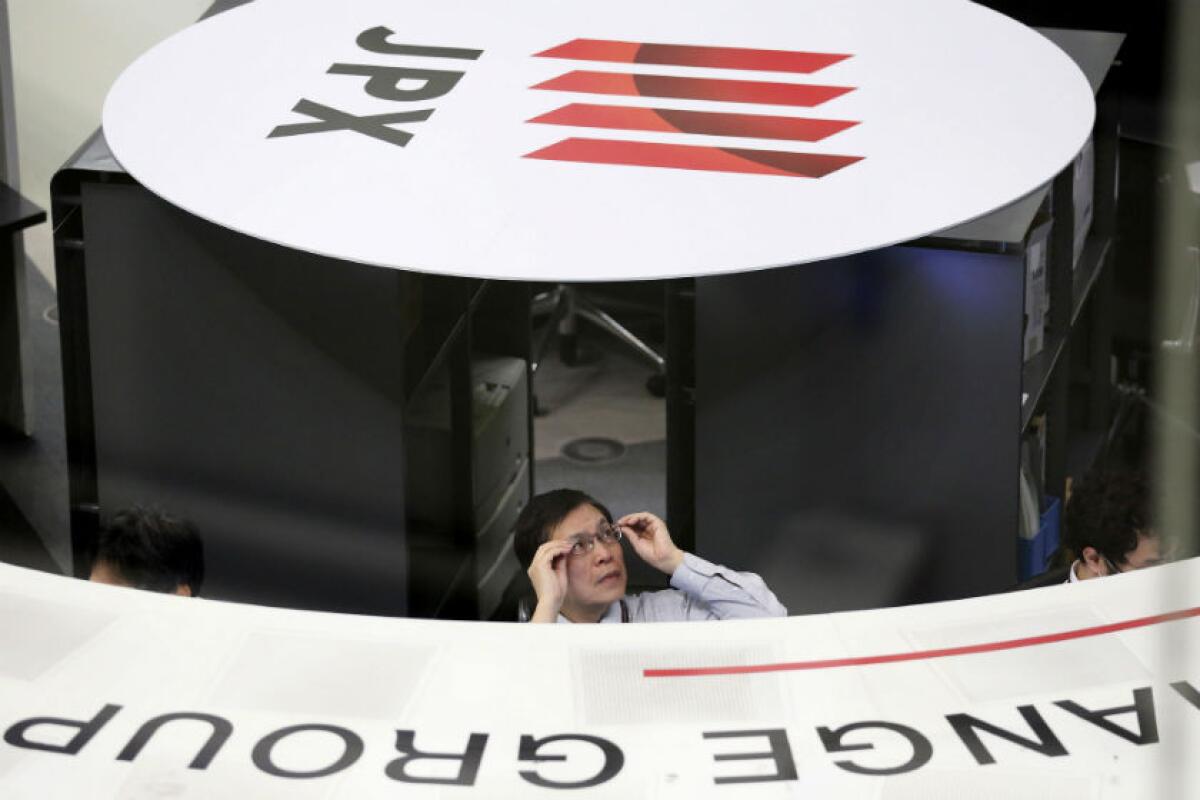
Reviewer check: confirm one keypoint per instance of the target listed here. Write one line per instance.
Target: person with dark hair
(1108, 527)
(148, 549)
(572, 551)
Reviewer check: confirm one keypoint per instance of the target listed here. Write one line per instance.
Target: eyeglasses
(1113, 569)
(606, 533)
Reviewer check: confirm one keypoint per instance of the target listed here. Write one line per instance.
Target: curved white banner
(611, 140)
(1083, 691)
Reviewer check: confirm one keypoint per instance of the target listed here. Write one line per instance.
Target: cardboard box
(1037, 295)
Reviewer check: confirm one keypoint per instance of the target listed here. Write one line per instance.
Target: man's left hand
(651, 541)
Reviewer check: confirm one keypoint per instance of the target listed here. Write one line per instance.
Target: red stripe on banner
(694, 56)
(755, 126)
(919, 655)
(780, 94)
(680, 156)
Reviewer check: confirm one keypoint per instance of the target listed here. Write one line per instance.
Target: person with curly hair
(1108, 527)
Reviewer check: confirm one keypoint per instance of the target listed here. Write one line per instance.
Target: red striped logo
(677, 55)
(749, 160)
(776, 94)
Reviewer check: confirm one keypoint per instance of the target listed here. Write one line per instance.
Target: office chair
(565, 305)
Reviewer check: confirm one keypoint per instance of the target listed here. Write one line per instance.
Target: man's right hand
(548, 574)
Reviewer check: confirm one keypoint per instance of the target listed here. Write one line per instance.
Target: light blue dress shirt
(701, 591)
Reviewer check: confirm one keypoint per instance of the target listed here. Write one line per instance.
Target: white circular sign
(616, 140)
(107, 692)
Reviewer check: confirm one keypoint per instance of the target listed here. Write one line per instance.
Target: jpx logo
(392, 84)
(705, 115)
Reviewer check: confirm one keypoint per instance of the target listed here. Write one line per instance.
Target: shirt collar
(612, 614)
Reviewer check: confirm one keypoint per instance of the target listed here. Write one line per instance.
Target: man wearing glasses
(1108, 527)
(572, 550)
(1107, 530)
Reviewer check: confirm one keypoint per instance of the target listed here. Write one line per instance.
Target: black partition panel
(856, 426)
(256, 390)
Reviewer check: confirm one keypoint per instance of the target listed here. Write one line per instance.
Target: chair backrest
(1051, 577)
(525, 605)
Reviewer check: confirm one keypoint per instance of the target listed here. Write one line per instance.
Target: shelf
(1036, 372)
(1083, 448)
(456, 330)
(1035, 375)
(16, 212)
(1091, 264)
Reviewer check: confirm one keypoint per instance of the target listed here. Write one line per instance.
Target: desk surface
(620, 140)
(16, 212)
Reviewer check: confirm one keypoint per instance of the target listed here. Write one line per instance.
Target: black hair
(543, 514)
(1108, 510)
(152, 550)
